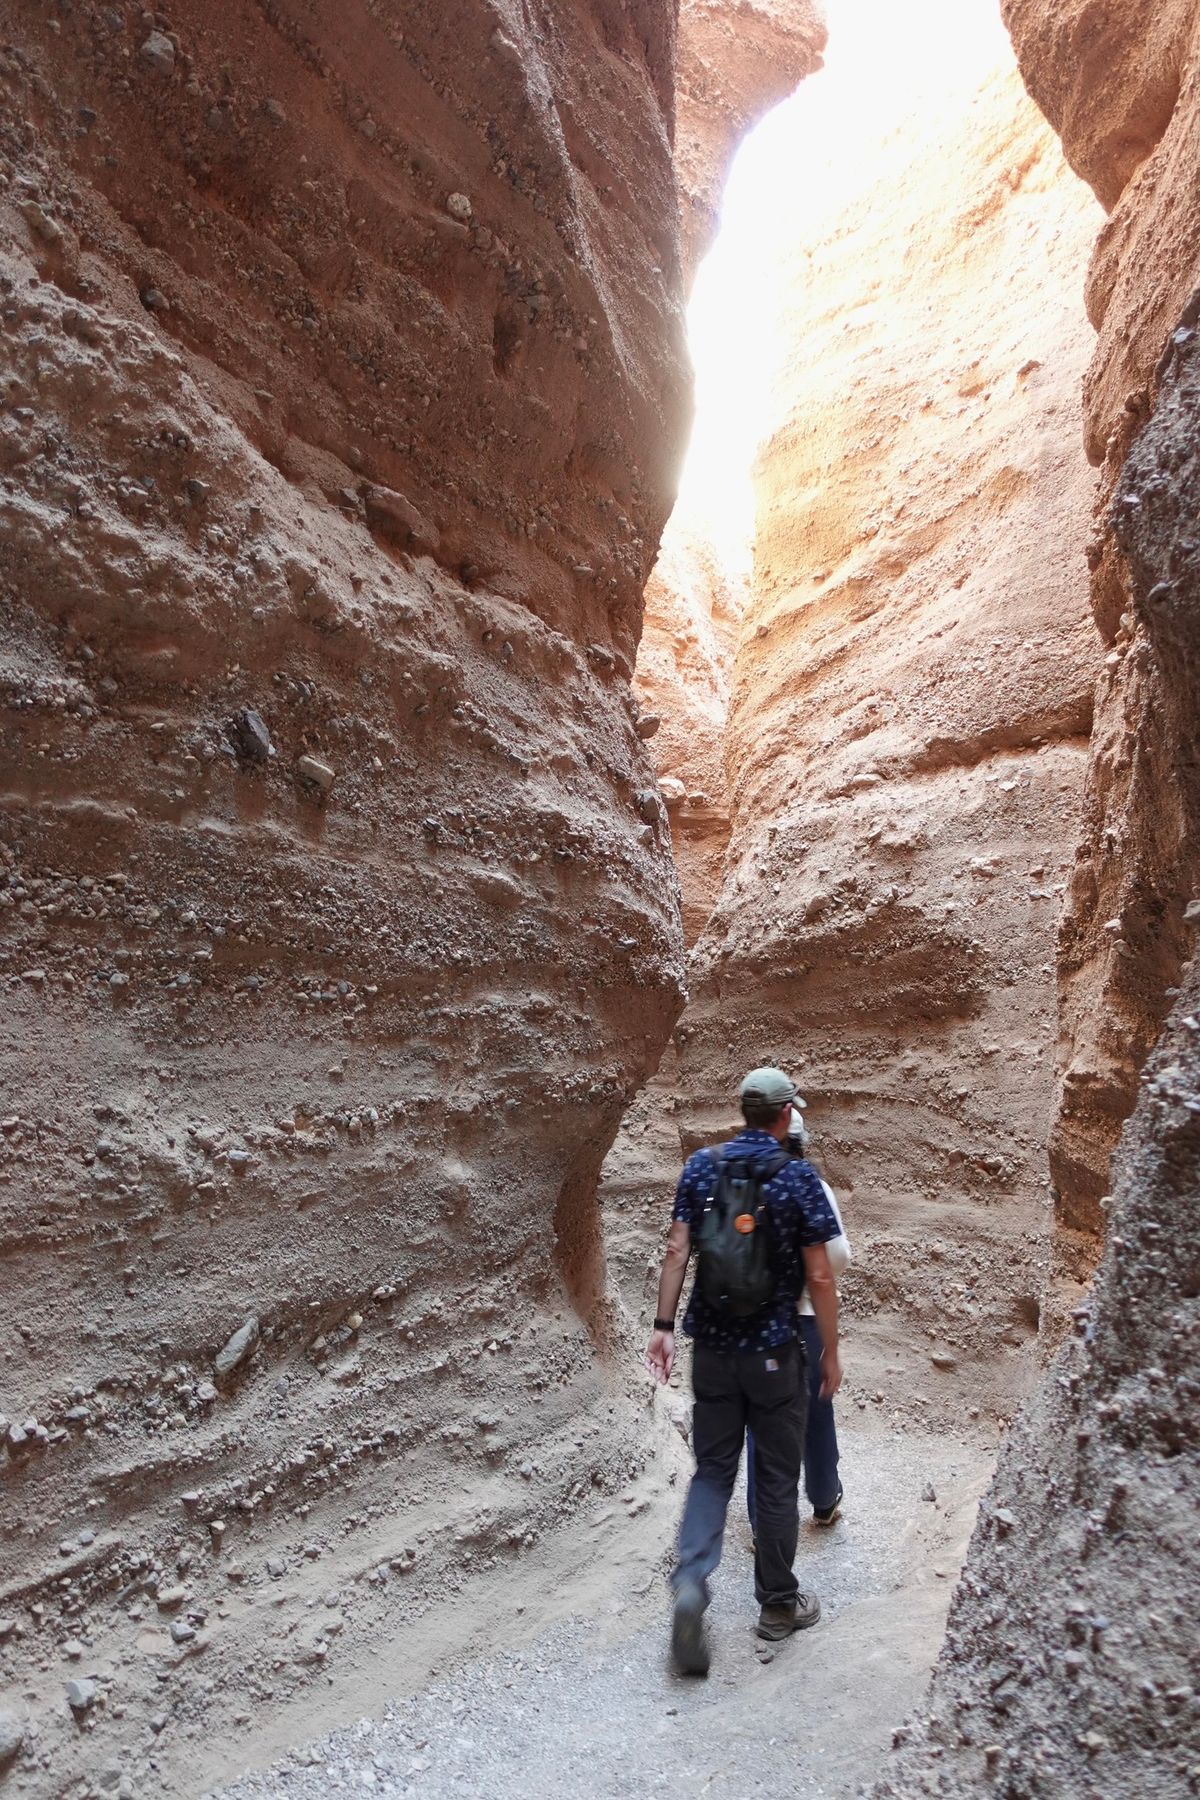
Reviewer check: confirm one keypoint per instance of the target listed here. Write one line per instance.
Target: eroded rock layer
(907, 737)
(341, 396)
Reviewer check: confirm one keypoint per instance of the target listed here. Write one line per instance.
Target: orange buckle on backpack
(745, 1223)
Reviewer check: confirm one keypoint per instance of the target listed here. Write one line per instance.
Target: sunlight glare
(890, 63)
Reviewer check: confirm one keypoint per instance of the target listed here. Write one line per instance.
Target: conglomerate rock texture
(342, 394)
(1070, 1664)
(907, 737)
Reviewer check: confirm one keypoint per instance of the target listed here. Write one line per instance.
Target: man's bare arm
(660, 1351)
(822, 1291)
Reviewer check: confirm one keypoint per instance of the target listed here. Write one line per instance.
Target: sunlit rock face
(907, 732)
(342, 396)
(737, 58)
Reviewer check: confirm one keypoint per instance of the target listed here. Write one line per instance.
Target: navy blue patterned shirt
(800, 1216)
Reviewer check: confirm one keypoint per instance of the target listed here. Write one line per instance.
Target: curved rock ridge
(737, 58)
(907, 736)
(1122, 88)
(1069, 1664)
(341, 402)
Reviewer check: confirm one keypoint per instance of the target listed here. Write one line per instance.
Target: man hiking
(821, 1482)
(759, 1221)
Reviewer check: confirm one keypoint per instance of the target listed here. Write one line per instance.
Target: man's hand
(823, 1294)
(831, 1374)
(660, 1351)
(660, 1356)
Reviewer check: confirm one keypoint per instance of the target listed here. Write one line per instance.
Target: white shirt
(838, 1248)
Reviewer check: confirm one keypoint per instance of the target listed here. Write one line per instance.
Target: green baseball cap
(771, 1086)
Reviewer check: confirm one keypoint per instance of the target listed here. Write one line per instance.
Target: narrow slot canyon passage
(430, 778)
(865, 677)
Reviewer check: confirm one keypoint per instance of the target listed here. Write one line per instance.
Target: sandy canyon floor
(558, 1682)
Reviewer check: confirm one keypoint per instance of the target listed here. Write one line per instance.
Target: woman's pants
(820, 1433)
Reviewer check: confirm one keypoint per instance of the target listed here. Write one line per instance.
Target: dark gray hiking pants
(766, 1391)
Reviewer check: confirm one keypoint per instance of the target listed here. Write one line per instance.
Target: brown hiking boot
(775, 1622)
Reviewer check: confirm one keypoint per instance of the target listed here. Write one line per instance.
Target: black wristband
(664, 1324)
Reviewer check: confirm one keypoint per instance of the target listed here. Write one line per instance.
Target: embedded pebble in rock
(235, 1351)
(316, 772)
(250, 736)
(159, 52)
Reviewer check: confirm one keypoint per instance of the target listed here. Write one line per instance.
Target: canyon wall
(1069, 1668)
(1121, 89)
(342, 397)
(907, 737)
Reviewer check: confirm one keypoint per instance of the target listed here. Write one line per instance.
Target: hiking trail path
(571, 1692)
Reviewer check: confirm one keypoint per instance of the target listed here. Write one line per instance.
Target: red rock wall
(342, 395)
(1069, 1662)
